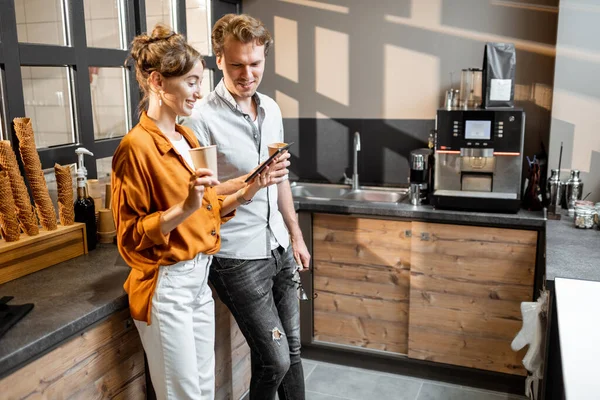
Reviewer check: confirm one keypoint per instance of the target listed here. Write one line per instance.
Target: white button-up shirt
(241, 146)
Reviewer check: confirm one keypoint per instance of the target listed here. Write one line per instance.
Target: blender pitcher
(470, 88)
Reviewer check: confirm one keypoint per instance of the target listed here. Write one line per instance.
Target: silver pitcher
(553, 191)
(573, 190)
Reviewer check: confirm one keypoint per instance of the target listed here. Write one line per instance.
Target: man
(253, 273)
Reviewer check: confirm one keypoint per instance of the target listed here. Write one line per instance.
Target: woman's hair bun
(141, 42)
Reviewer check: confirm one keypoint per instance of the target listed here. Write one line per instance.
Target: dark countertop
(524, 219)
(68, 298)
(571, 252)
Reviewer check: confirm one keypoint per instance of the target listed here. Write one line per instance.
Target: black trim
(33, 54)
(475, 204)
(106, 57)
(180, 18)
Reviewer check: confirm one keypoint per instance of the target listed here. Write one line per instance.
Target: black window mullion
(13, 86)
(46, 55)
(181, 22)
(98, 57)
(84, 121)
(135, 16)
(139, 11)
(63, 155)
(106, 147)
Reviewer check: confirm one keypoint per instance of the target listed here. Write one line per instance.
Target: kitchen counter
(522, 219)
(67, 298)
(571, 252)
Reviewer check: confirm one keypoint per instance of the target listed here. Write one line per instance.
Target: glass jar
(584, 217)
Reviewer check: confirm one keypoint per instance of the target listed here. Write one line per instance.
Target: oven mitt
(11, 314)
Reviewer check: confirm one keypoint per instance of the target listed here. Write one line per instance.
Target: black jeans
(263, 299)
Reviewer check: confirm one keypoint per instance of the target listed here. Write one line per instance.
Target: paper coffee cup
(274, 146)
(205, 157)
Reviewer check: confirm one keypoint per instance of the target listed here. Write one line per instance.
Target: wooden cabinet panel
(466, 287)
(232, 356)
(105, 362)
(361, 276)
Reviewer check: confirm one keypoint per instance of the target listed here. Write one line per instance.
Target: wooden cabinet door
(105, 362)
(466, 287)
(361, 277)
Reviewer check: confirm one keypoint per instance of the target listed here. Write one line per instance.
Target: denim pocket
(229, 264)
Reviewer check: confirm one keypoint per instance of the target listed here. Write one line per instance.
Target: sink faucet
(354, 180)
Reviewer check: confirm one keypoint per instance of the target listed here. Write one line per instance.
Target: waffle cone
(64, 184)
(8, 219)
(35, 176)
(24, 210)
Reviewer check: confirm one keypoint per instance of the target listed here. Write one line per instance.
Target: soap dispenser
(85, 211)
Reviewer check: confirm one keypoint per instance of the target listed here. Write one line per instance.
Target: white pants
(179, 342)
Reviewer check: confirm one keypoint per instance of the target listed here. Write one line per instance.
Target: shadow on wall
(382, 69)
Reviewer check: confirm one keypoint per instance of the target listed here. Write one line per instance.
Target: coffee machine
(478, 157)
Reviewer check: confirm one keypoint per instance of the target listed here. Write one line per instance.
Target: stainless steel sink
(376, 196)
(319, 190)
(365, 194)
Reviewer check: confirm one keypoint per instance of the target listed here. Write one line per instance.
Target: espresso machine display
(478, 159)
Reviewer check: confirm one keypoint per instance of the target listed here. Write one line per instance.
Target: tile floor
(326, 381)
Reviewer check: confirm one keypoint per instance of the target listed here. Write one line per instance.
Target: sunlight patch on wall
(411, 85)
(332, 65)
(289, 106)
(286, 48)
(320, 5)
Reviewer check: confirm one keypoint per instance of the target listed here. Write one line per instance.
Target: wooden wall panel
(106, 362)
(466, 287)
(361, 276)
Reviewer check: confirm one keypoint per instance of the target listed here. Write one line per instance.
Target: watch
(242, 200)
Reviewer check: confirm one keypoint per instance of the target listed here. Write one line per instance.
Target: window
(199, 25)
(104, 24)
(69, 74)
(41, 21)
(159, 11)
(47, 95)
(110, 109)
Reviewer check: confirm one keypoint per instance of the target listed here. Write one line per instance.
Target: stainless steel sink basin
(322, 191)
(319, 190)
(377, 196)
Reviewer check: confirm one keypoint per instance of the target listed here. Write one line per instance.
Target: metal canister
(553, 191)
(574, 190)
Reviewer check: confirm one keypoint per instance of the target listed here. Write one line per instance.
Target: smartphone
(267, 162)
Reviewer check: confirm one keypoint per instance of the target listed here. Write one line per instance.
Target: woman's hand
(202, 177)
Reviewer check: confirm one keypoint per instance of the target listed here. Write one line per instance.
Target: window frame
(79, 57)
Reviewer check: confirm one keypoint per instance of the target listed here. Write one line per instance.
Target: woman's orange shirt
(149, 177)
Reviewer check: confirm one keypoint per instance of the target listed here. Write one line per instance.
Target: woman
(168, 218)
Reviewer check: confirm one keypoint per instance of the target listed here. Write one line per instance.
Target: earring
(160, 102)
(160, 98)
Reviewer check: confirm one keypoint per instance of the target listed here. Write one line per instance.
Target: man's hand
(278, 168)
(301, 254)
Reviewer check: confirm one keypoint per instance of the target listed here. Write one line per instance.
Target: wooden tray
(32, 253)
